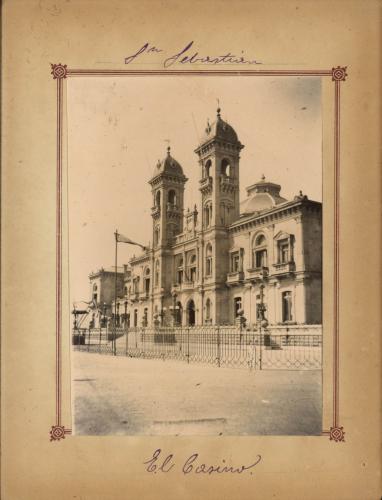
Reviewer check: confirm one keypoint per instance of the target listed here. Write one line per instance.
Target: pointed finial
(218, 110)
(263, 177)
(168, 146)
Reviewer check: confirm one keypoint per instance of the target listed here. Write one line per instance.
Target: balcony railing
(155, 211)
(171, 208)
(235, 277)
(258, 272)
(284, 267)
(181, 287)
(206, 182)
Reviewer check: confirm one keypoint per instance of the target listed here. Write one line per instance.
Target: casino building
(222, 258)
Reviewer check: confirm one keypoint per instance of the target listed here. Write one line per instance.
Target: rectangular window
(235, 262)
(283, 251)
(179, 277)
(287, 306)
(261, 258)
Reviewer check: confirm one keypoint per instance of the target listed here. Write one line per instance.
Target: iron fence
(219, 346)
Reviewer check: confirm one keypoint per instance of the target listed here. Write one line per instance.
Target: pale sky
(117, 130)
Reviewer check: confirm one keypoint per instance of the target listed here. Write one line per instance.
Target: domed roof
(261, 196)
(168, 165)
(219, 129)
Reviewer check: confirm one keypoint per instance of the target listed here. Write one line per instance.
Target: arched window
(157, 199)
(125, 291)
(145, 317)
(179, 269)
(226, 168)
(156, 279)
(259, 252)
(171, 197)
(208, 214)
(178, 313)
(209, 260)
(193, 268)
(207, 169)
(156, 235)
(135, 317)
(147, 281)
(95, 294)
(208, 310)
(136, 285)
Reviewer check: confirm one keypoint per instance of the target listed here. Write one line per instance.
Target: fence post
(188, 345)
(89, 340)
(127, 342)
(218, 346)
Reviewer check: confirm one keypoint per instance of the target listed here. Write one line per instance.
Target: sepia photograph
(195, 255)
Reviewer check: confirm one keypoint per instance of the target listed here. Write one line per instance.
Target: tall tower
(219, 155)
(167, 187)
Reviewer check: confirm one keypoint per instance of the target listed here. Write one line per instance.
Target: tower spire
(218, 110)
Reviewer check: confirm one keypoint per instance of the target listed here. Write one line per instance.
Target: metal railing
(215, 345)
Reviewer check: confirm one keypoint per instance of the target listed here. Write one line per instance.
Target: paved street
(130, 396)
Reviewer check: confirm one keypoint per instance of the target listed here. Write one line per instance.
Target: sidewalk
(129, 396)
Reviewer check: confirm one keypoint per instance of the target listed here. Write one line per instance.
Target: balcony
(258, 273)
(227, 184)
(235, 277)
(173, 209)
(144, 296)
(284, 267)
(206, 185)
(182, 287)
(155, 212)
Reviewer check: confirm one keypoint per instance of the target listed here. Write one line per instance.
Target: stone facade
(223, 258)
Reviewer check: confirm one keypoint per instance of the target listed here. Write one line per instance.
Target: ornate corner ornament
(59, 71)
(58, 432)
(337, 434)
(339, 74)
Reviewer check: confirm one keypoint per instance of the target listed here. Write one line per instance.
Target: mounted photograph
(195, 255)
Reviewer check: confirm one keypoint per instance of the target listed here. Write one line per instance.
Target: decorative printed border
(60, 72)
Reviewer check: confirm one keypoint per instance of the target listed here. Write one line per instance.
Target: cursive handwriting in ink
(227, 58)
(144, 49)
(188, 55)
(191, 466)
(161, 466)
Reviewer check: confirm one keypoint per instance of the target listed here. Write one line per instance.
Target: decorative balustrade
(284, 267)
(235, 277)
(206, 184)
(258, 273)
